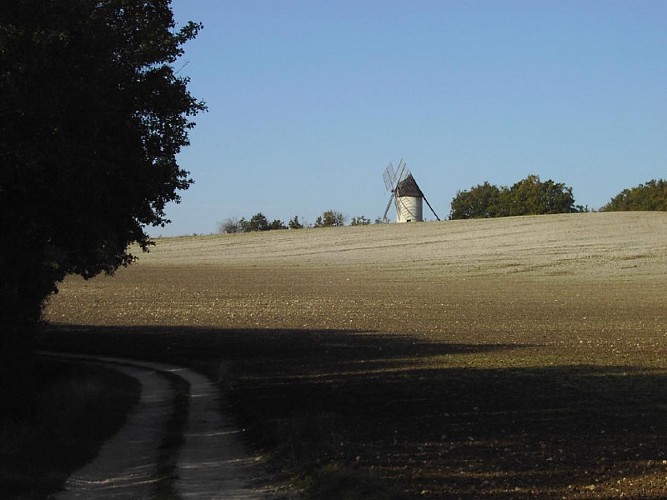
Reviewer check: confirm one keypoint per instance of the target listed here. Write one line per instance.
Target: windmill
(405, 194)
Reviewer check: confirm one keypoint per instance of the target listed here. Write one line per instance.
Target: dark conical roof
(409, 187)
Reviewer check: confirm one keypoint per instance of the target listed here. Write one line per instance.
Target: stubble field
(518, 357)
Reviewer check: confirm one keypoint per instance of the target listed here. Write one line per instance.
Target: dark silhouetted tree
(93, 115)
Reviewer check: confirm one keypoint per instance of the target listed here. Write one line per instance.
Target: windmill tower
(405, 194)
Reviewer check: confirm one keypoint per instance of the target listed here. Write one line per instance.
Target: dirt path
(126, 465)
(213, 463)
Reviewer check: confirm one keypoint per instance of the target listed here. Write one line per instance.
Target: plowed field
(509, 358)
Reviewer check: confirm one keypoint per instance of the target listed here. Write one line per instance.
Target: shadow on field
(390, 407)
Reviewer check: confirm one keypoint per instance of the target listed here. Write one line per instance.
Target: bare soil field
(507, 358)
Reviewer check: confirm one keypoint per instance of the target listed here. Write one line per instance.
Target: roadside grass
(66, 412)
(344, 413)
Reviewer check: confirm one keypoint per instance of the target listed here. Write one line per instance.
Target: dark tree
(295, 223)
(651, 196)
(276, 224)
(360, 221)
(93, 115)
(257, 222)
(330, 218)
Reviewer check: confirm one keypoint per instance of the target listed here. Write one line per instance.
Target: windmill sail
(405, 193)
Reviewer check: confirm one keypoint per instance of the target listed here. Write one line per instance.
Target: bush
(230, 225)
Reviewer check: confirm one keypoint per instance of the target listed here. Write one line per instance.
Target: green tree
(294, 223)
(93, 115)
(651, 196)
(330, 218)
(360, 221)
(529, 196)
(483, 200)
(257, 222)
(277, 224)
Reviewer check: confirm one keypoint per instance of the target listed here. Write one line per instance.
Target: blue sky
(309, 100)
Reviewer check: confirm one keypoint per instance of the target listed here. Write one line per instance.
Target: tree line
(259, 222)
(529, 196)
(651, 196)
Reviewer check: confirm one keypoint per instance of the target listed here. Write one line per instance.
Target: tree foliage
(259, 222)
(360, 221)
(483, 200)
(230, 225)
(651, 196)
(529, 196)
(330, 218)
(295, 223)
(93, 115)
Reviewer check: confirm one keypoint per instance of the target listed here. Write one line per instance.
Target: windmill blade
(386, 210)
(401, 165)
(389, 177)
(403, 172)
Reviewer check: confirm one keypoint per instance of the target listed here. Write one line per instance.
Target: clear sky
(309, 100)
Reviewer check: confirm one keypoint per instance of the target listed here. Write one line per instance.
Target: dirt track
(212, 463)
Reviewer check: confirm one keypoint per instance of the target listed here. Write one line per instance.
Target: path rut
(213, 462)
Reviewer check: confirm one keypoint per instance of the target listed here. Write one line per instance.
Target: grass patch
(66, 413)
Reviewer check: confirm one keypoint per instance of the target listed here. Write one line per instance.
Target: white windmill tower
(405, 194)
